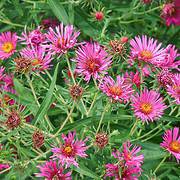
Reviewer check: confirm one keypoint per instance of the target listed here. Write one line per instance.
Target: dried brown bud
(13, 120)
(117, 46)
(23, 65)
(76, 91)
(38, 139)
(101, 140)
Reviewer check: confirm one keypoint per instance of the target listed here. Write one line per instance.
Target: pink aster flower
(164, 78)
(174, 89)
(171, 13)
(118, 90)
(4, 166)
(146, 49)
(128, 165)
(68, 152)
(62, 38)
(170, 58)
(8, 42)
(130, 156)
(171, 142)
(33, 38)
(92, 60)
(51, 170)
(148, 106)
(112, 170)
(133, 78)
(40, 58)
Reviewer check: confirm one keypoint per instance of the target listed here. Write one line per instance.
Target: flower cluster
(128, 164)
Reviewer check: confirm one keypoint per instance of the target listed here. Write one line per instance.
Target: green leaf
(47, 100)
(85, 171)
(59, 11)
(94, 120)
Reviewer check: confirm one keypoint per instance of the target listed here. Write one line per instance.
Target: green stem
(65, 121)
(102, 116)
(133, 128)
(159, 165)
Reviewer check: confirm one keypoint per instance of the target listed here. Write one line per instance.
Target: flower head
(4, 166)
(130, 156)
(8, 42)
(39, 58)
(102, 140)
(170, 58)
(69, 150)
(62, 38)
(92, 60)
(49, 22)
(165, 78)
(33, 38)
(51, 171)
(171, 13)
(129, 163)
(146, 49)
(148, 106)
(133, 78)
(76, 91)
(38, 139)
(174, 88)
(118, 90)
(99, 15)
(171, 142)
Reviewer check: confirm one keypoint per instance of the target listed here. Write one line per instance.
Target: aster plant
(89, 90)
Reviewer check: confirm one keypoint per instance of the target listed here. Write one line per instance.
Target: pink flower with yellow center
(62, 38)
(146, 49)
(68, 152)
(148, 105)
(118, 90)
(8, 42)
(171, 13)
(92, 60)
(174, 88)
(53, 171)
(128, 165)
(171, 142)
(39, 57)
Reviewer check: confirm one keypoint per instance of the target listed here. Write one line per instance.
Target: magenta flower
(174, 89)
(51, 170)
(171, 142)
(33, 38)
(112, 170)
(169, 60)
(62, 38)
(165, 77)
(8, 42)
(146, 49)
(171, 13)
(40, 59)
(128, 165)
(4, 166)
(92, 60)
(133, 78)
(68, 152)
(148, 106)
(130, 156)
(118, 90)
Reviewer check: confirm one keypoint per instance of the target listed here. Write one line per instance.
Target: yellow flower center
(177, 89)
(35, 62)
(68, 149)
(146, 108)
(146, 54)
(175, 146)
(7, 47)
(115, 90)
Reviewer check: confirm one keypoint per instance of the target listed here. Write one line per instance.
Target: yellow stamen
(7, 47)
(175, 146)
(146, 108)
(146, 54)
